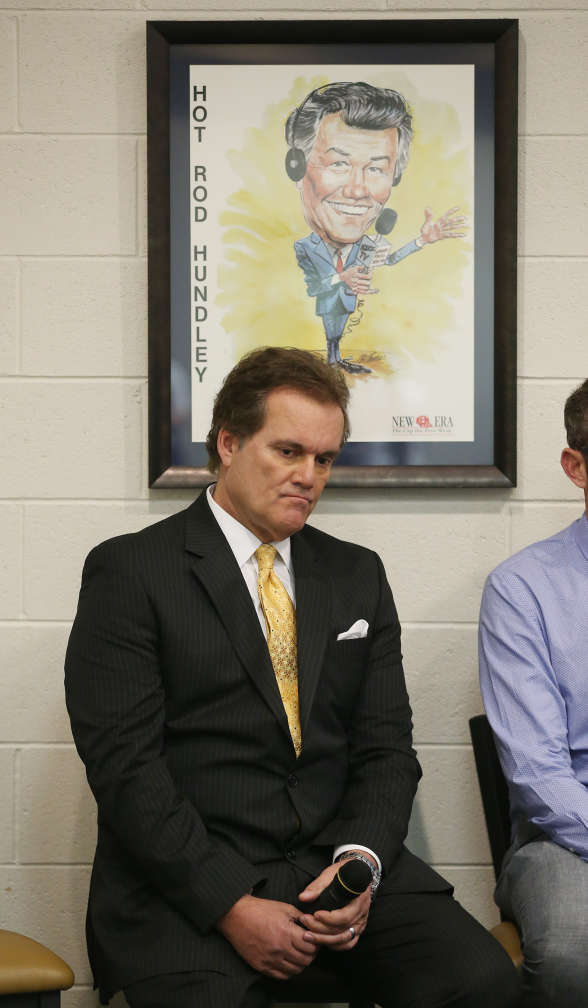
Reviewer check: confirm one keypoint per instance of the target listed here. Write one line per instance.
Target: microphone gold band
(354, 892)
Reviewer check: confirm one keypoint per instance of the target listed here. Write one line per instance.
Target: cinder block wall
(73, 418)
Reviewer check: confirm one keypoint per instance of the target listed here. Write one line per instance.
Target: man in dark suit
(242, 724)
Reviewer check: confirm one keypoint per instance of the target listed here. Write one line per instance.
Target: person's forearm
(402, 253)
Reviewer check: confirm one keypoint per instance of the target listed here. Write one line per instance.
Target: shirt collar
(243, 541)
(333, 249)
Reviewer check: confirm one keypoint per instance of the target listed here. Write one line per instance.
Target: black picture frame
(492, 46)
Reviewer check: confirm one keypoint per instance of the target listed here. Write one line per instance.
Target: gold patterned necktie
(280, 621)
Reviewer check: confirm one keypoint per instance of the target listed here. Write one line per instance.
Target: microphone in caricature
(368, 247)
(351, 880)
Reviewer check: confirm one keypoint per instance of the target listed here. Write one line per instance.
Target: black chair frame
(493, 788)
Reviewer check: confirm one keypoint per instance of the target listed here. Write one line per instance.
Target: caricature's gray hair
(362, 105)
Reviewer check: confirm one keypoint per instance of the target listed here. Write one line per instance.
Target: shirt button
(291, 854)
(292, 781)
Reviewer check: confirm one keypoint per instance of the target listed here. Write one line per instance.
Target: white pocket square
(359, 629)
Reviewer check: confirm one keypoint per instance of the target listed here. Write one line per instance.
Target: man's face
(271, 481)
(348, 178)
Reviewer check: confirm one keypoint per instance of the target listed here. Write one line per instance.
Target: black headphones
(296, 158)
(295, 164)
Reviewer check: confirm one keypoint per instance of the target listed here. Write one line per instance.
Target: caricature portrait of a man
(349, 146)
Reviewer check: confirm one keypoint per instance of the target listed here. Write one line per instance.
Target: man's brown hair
(240, 404)
(576, 420)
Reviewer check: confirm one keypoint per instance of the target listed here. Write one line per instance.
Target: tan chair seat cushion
(27, 966)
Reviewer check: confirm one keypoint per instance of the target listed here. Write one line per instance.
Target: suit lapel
(353, 254)
(214, 564)
(313, 608)
(322, 250)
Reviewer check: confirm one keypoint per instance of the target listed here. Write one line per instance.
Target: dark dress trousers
(177, 716)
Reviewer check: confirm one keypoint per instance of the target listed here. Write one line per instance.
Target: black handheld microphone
(352, 879)
(386, 221)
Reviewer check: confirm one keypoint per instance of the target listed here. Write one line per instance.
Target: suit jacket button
(292, 780)
(291, 854)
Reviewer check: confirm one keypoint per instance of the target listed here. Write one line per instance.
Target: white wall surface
(73, 417)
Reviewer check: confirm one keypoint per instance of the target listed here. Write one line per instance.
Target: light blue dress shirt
(534, 677)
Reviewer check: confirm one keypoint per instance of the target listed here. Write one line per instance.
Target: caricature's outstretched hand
(450, 225)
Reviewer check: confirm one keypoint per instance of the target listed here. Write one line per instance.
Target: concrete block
(32, 705)
(48, 903)
(553, 60)
(436, 550)
(541, 437)
(82, 997)
(84, 317)
(532, 522)
(71, 439)
(7, 819)
(447, 824)
(97, 75)
(474, 888)
(441, 668)
(106, 5)
(54, 827)
(142, 196)
(7, 73)
(8, 312)
(85, 997)
(480, 5)
(552, 303)
(281, 8)
(118, 1001)
(67, 195)
(58, 538)
(553, 211)
(11, 566)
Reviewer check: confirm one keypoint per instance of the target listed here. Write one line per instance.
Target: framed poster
(347, 187)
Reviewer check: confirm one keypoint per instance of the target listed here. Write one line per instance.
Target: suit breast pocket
(344, 673)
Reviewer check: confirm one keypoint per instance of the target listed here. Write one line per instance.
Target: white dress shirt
(334, 250)
(243, 544)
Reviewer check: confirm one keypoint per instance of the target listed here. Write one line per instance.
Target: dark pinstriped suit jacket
(176, 713)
